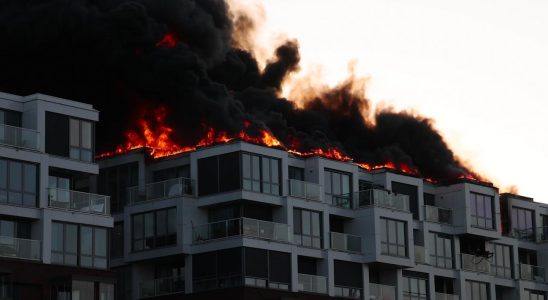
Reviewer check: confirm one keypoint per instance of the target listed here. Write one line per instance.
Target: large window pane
(86, 240)
(86, 135)
(74, 133)
(100, 243)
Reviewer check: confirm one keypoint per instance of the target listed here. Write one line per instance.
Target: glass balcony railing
(305, 190)
(542, 234)
(346, 242)
(438, 214)
(19, 137)
(344, 201)
(348, 292)
(442, 296)
(420, 255)
(312, 283)
(242, 226)
(381, 292)
(170, 188)
(162, 286)
(78, 201)
(382, 198)
(20, 248)
(523, 234)
(530, 272)
(475, 263)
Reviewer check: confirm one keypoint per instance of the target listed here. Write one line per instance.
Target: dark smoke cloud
(105, 52)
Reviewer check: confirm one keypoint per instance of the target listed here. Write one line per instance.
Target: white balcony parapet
(531, 272)
(442, 296)
(20, 248)
(381, 198)
(79, 201)
(475, 263)
(19, 137)
(348, 292)
(312, 283)
(162, 286)
(346, 242)
(242, 226)
(382, 292)
(438, 214)
(170, 188)
(304, 189)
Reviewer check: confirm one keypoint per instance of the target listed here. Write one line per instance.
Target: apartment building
(242, 221)
(54, 229)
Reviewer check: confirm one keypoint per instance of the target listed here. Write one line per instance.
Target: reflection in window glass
(393, 237)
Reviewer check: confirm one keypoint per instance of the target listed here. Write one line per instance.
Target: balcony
(530, 272)
(312, 283)
(442, 296)
(348, 292)
(382, 198)
(162, 286)
(381, 292)
(19, 137)
(523, 234)
(438, 214)
(170, 188)
(346, 242)
(242, 227)
(305, 190)
(475, 263)
(79, 201)
(542, 234)
(420, 255)
(344, 201)
(20, 248)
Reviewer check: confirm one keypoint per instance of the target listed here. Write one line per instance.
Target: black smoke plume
(115, 55)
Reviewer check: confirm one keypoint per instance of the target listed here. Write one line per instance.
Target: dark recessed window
(154, 229)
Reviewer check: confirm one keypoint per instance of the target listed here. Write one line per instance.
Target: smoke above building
(171, 70)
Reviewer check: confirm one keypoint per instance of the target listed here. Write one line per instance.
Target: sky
(477, 68)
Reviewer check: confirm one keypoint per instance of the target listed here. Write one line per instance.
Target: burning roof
(167, 75)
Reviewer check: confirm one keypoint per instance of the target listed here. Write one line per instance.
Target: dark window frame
(169, 239)
(80, 148)
(7, 190)
(300, 236)
(386, 240)
(482, 221)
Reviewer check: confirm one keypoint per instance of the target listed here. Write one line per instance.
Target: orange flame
(158, 140)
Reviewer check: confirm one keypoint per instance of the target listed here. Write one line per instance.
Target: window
(307, 228)
(6, 289)
(218, 174)
(59, 191)
(115, 181)
(523, 223)
(296, 173)
(481, 211)
(154, 229)
(18, 183)
(85, 246)
(414, 288)
(117, 245)
(106, 291)
(502, 260)
(412, 192)
(81, 139)
(261, 174)
(218, 269)
(393, 237)
(535, 295)
(442, 255)
(337, 184)
(477, 290)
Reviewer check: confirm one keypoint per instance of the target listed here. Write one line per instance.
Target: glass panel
(138, 226)
(30, 178)
(106, 291)
(297, 221)
(246, 160)
(86, 135)
(172, 220)
(86, 240)
(336, 184)
(83, 290)
(256, 167)
(71, 238)
(306, 222)
(327, 182)
(15, 169)
(345, 184)
(161, 222)
(57, 237)
(3, 174)
(266, 169)
(316, 224)
(74, 133)
(275, 174)
(100, 243)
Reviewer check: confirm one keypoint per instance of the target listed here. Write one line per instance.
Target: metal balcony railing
(312, 283)
(175, 187)
(346, 242)
(305, 190)
(475, 263)
(78, 201)
(420, 255)
(438, 214)
(382, 198)
(162, 286)
(442, 296)
(348, 292)
(19, 137)
(530, 272)
(242, 226)
(381, 292)
(20, 248)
